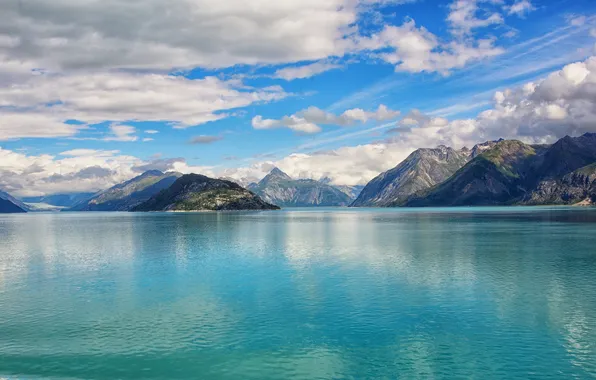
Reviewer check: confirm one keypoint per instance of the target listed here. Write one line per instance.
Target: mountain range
(194, 192)
(280, 189)
(501, 172)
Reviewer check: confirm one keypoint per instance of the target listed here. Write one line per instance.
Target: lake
(485, 293)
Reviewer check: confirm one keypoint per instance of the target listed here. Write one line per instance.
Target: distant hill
(10, 205)
(60, 200)
(193, 192)
(127, 195)
(280, 189)
(421, 170)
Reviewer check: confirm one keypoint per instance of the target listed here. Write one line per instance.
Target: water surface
(499, 293)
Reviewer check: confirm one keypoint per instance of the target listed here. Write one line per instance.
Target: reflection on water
(306, 294)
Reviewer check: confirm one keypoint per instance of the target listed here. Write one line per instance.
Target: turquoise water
(483, 293)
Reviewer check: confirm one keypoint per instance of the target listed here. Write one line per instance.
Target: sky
(93, 93)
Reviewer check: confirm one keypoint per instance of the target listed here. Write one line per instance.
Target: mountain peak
(276, 174)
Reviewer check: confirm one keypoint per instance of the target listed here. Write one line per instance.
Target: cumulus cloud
(205, 139)
(520, 8)
(78, 170)
(463, 17)
(415, 49)
(415, 118)
(308, 120)
(41, 105)
(305, 71)
(14, 125)
(562, 104)
(74, 34)
(72, 171)
(119, 132)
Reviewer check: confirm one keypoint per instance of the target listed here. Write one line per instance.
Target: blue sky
(82, 88)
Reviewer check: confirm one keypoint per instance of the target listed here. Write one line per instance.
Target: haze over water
(498, 293)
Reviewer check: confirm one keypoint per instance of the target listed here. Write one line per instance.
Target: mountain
(10, 205)
(280, 189)
(194, 192)
(350, 191)
(125, 196)
(512, 172)
(60, 200)
(422, 169)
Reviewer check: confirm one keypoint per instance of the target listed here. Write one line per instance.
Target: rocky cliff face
(423, 169)
(576, 187)
(280, 189)
(127, 195)
(193, 192)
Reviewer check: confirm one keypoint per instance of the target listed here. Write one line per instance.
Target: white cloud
(576, 20)
(43, 103)
(520, 8)
(14, 125)
(415, 49)
(305, 71)
(415, 118)
(308, 120)
(151, 131)
(89, 153)
(147, 139)
(82, 34)
(77, 170)
(293, 122)
(463, 17)
(123, 133)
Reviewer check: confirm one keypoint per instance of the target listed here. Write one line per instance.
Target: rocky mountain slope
(512, 172)
(576, 187)
(280, 189)
(127, 195)
(10, 205)
(423, 169)
(351, 191)
(195, 192)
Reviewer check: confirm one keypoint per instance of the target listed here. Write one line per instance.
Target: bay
(499, 293)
